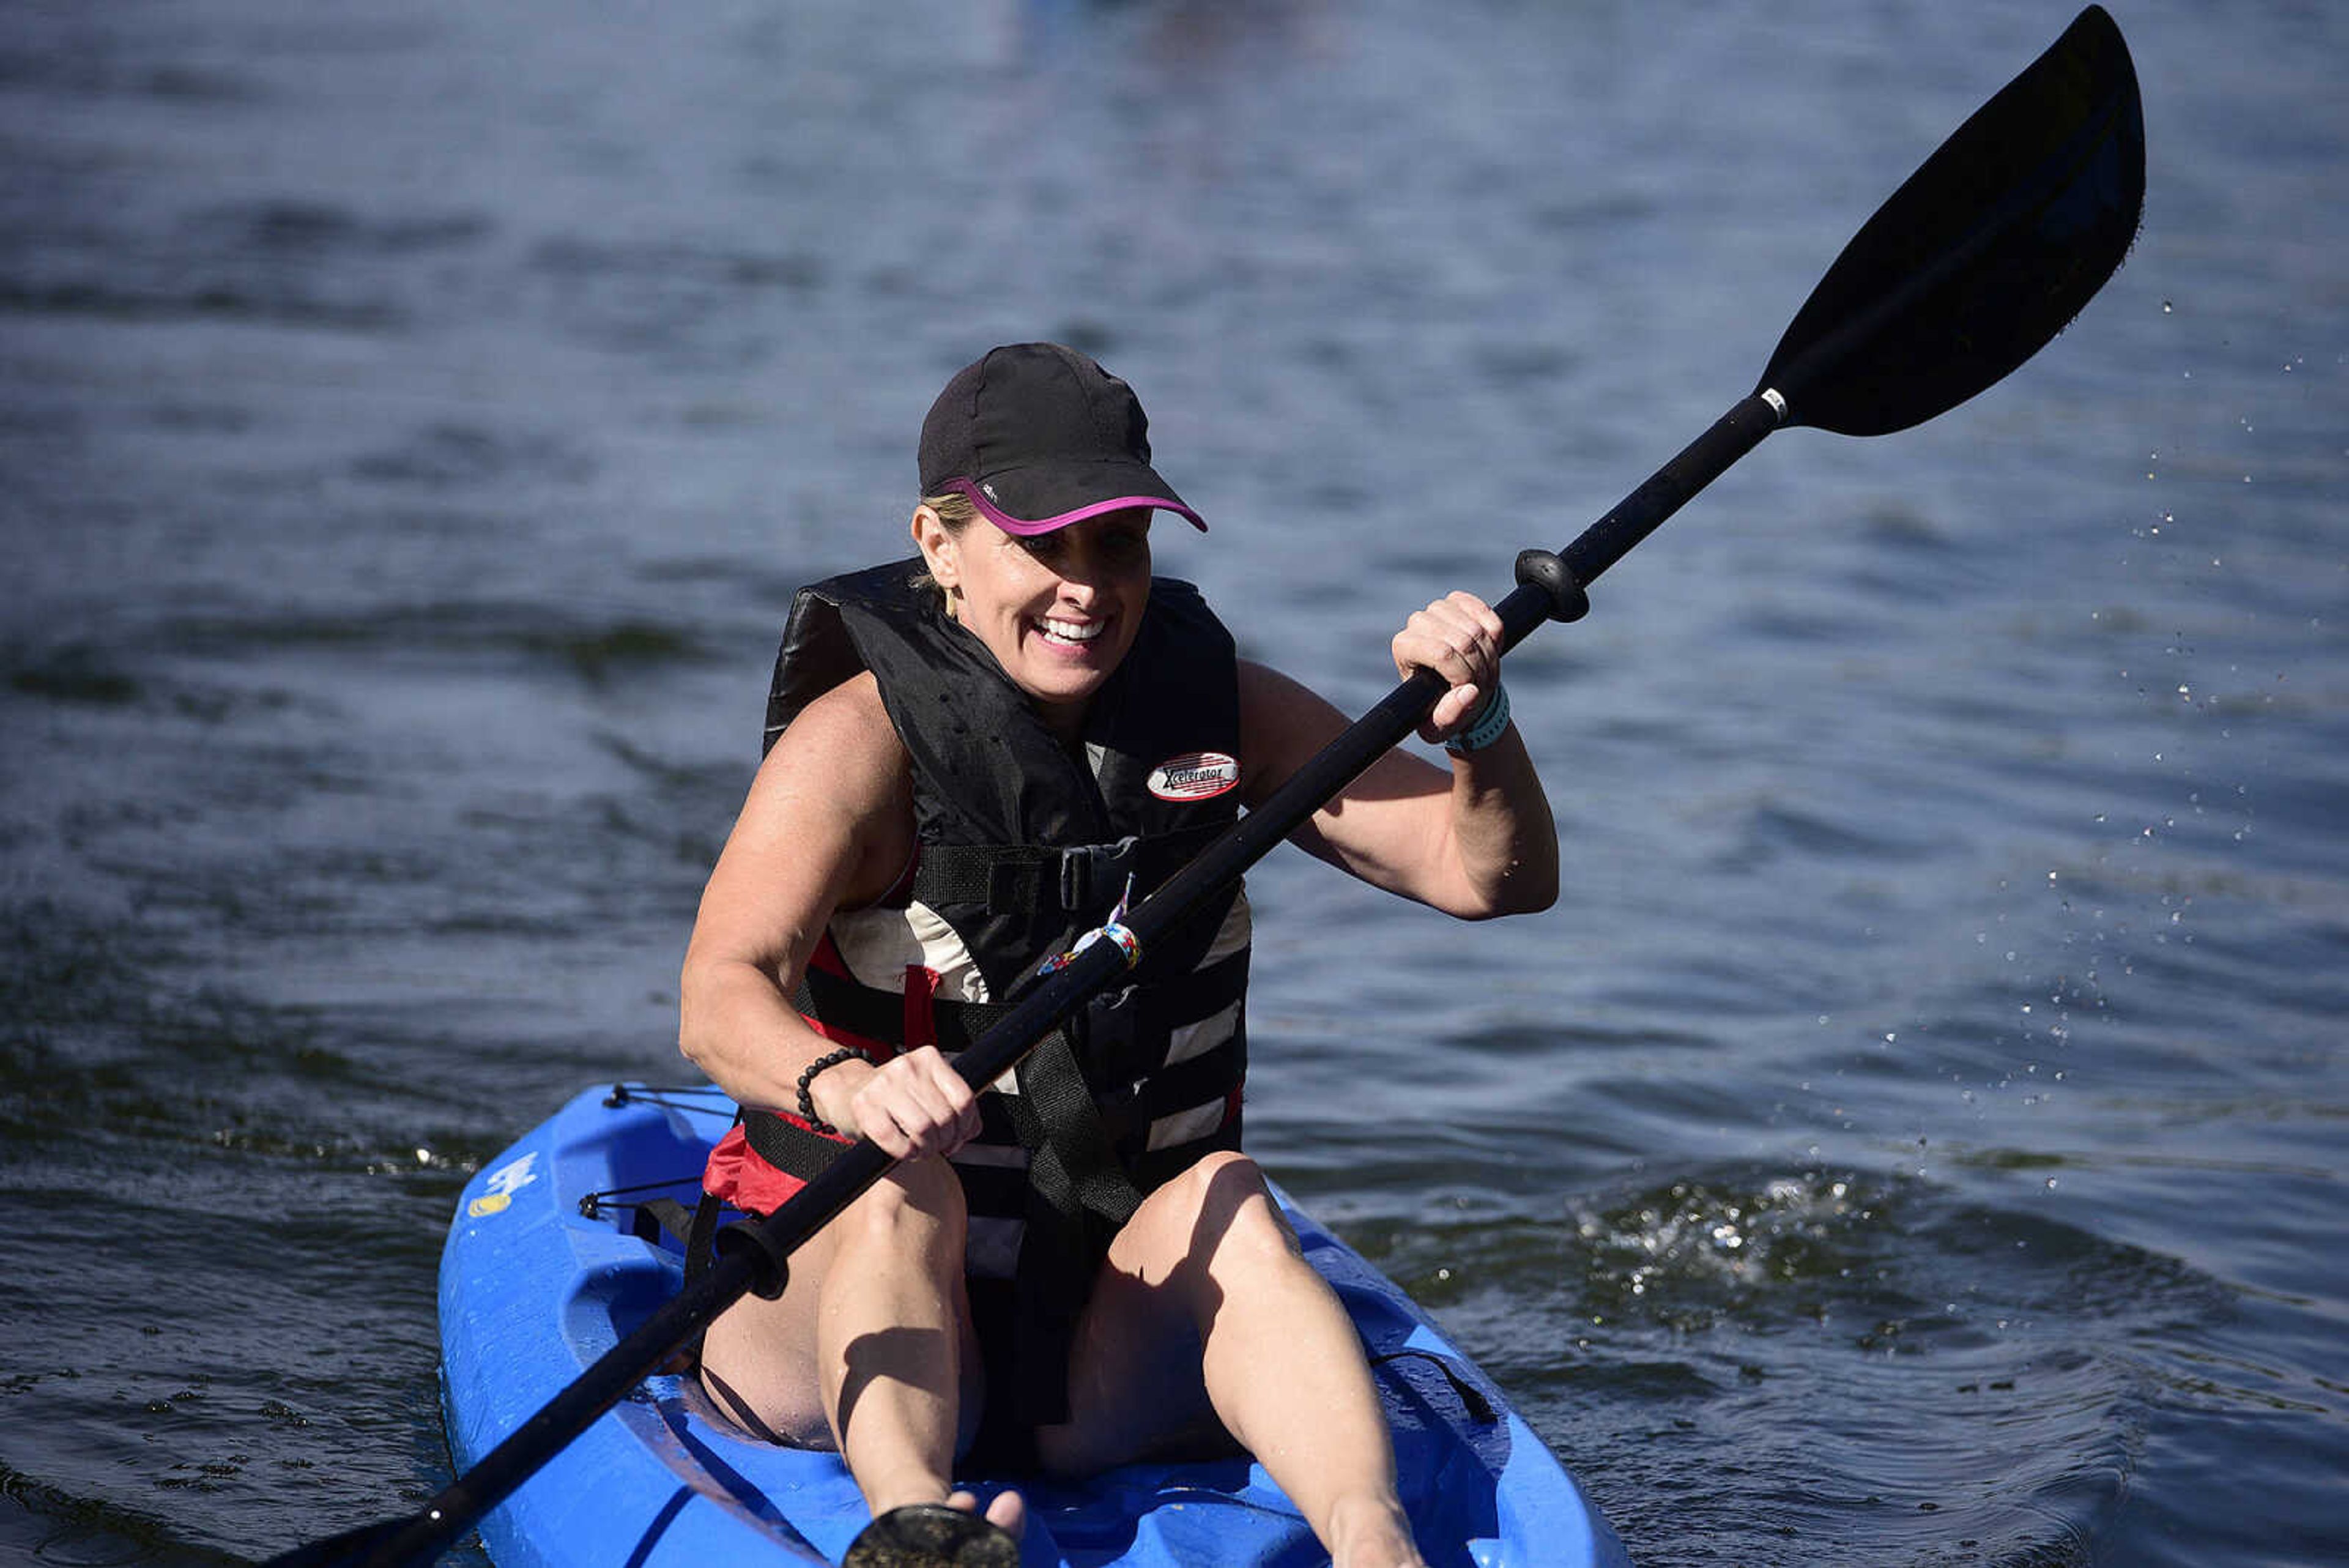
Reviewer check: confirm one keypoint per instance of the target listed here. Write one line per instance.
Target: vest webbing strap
(1078, 1196)
(786, 1145)
(1020, 877)
(880, 1016)
(1072, 1165)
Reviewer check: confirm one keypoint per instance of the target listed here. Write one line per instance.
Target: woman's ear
(937, 543)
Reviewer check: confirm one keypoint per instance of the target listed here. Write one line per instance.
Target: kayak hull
(538, 1279)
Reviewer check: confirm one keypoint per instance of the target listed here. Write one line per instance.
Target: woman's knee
(1219, 1181)
(917, 1210)
(1221, 1209)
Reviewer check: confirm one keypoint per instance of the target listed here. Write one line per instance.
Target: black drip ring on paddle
(932, 1535)
(772, 1263)
(1545, 570)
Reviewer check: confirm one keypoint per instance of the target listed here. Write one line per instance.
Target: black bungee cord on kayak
(1985, 253)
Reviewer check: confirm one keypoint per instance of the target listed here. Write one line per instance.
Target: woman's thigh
(759, 1357)
(1136, 1383)
(765, 1362)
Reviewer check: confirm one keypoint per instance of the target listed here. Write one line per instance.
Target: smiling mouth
(1070, 633)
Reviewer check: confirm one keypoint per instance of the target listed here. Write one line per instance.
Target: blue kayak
(546, 1269)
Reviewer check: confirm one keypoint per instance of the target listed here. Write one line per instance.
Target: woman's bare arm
(1475, 840)
(828, 825)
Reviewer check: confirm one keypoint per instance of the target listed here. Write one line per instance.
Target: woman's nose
(1083, 568)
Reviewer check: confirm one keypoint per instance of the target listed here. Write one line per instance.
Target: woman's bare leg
(1206, 1311)
(869, 1349)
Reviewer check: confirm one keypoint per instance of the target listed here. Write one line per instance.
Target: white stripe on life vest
(878, 945)
(1185, 1125)
(1196, 1038)
(1233, 934)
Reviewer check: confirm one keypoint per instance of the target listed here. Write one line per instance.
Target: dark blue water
(1915, 1139)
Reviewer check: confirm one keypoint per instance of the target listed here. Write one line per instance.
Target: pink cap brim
(1024, 526)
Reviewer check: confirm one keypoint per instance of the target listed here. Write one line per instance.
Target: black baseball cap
(1038, 437)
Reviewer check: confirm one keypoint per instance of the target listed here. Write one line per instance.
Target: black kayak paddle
(1984, 254)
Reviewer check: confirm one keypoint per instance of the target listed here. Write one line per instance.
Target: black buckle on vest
(1091, 872)
(1109, 1049)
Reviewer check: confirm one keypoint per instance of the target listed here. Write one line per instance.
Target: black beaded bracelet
(807, 1103)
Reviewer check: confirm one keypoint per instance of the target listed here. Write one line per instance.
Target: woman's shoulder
(844, 740)
(837, 784)
(854, 702)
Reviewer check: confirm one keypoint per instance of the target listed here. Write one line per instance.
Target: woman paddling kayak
(976, 759)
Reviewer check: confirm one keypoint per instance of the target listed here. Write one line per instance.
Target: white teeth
(1070, 631)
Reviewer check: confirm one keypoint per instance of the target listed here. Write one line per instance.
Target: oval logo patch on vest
(1195, 775)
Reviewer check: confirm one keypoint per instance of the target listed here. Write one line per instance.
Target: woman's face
(1058, 610)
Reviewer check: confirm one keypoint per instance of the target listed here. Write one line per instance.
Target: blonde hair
(955, 509)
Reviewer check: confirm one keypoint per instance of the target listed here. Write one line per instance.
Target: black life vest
(1023, 848)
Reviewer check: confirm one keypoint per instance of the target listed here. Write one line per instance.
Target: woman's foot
(1007, 1511)
(1371, 1534)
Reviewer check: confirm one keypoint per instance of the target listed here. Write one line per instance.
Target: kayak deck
(542, 1273)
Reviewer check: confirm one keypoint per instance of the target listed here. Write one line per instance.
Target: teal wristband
(1486, 727)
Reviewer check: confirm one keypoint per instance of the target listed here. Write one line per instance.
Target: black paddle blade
(1985, 253)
